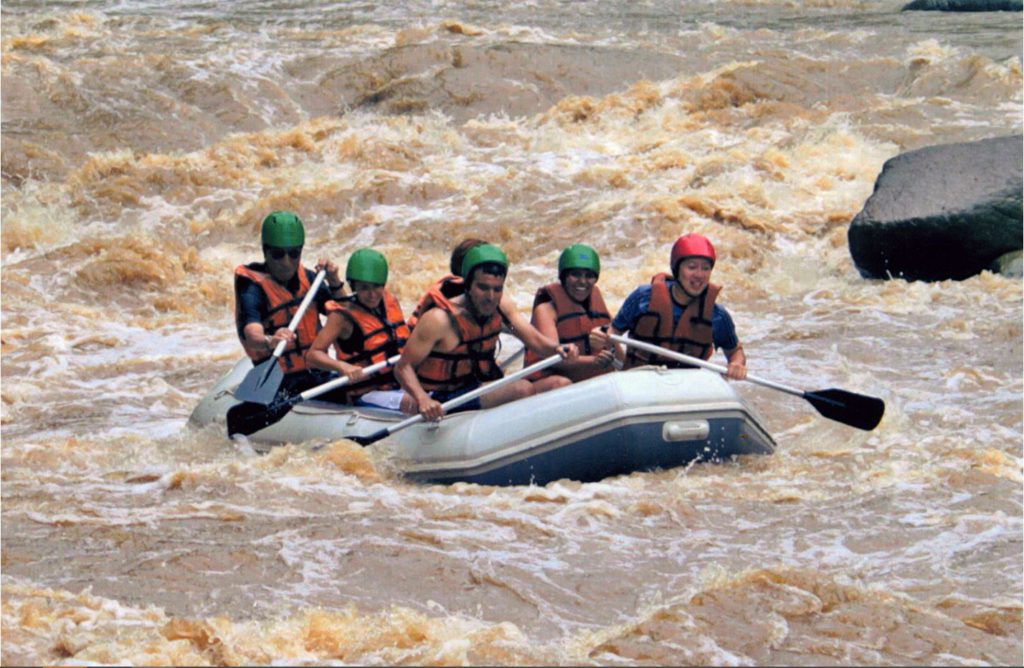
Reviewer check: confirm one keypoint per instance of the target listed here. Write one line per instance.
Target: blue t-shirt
(723, 331)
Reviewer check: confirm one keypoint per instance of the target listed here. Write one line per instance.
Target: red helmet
(691, 245)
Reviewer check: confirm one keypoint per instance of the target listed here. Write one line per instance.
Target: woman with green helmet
(366, 328)
(568, 310)
(268, 293)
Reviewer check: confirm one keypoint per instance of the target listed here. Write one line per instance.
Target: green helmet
(367, 265)
(283, 229)
(482, 254)
(579, 256)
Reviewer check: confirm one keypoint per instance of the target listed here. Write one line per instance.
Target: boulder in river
(964, 6)
(942, 212)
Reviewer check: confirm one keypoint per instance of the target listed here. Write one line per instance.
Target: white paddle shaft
(482, 390)
(338, 382)
(696, 361)
(310, 295)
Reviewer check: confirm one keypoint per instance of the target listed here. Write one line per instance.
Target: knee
(408, 405)
(550, 383)
(525, 388)
(559, 381)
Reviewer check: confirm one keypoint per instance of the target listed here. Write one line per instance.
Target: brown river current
(144, 142)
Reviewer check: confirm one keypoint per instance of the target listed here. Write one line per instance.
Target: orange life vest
(692, 335)
(471, 361)
(283, 304)
(449, 287)
(573, 320)
(379, 340)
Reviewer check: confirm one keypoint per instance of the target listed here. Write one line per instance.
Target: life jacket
(283, 303)
(572, 319)
(378, 340)
(471, 361)
(691, 336)
(449, 287)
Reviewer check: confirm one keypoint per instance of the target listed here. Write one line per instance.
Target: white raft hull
(638, 420)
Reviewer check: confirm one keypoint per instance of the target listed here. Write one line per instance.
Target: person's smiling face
(579, 283)
(368, 294)
(693, 274)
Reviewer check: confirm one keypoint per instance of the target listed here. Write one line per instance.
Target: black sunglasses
(279, 253)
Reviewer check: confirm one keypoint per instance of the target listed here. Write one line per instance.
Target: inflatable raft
(639, 420)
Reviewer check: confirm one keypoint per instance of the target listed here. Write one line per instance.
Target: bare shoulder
(545, 308)
(434, 323)
(341, 322)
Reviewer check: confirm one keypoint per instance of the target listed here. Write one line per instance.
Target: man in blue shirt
(268, 294)
(679, 312)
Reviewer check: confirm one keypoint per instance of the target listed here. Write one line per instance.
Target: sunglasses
(279, 253)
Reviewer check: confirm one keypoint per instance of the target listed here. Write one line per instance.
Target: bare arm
(737, 363)
(533, 339)
(334, 282)
(545, 320)
(337, 327)
(258, 343)
(428, 333)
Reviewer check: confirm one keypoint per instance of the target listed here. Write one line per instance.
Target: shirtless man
(452, 349)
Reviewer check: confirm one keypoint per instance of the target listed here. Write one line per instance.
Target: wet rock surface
(942, 212)
(964, 6)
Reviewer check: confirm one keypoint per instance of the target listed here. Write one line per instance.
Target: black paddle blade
(369, 438)
(261, 384)
(249, 418)
(856, 410)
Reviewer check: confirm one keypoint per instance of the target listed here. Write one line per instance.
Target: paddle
(261, 384)
(856, 410)
(248, 418)
(458, 401)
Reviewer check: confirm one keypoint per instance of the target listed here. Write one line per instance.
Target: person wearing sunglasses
(268, 293)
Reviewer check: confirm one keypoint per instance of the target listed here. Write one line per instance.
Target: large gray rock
(942, 212)
(964, 5)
